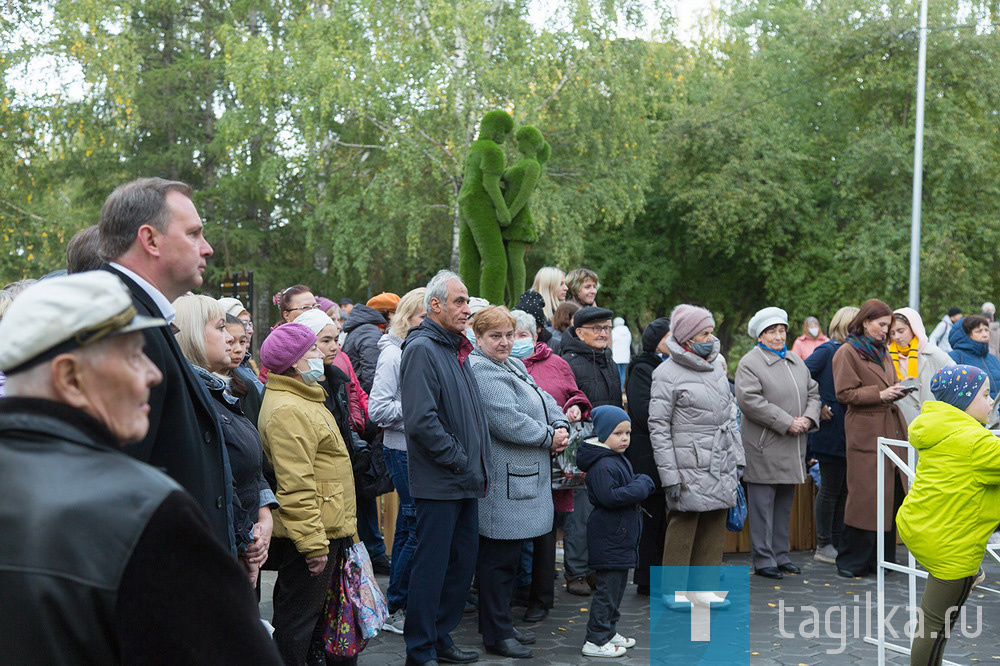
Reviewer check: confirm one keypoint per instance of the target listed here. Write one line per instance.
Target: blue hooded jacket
(615, 524)
(966, 351)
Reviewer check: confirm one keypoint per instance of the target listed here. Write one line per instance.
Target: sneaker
(622, 641)
(394, 623)
(578, 586)
(826, 554)
(606, 650)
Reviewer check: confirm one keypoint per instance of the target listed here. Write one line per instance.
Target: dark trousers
(601, 625)
(940, 597)
(368, 531)
(542, 593)
(859, 548)
(830, 503)
(404, 544)
(443, 564)
(654, 531)
(769, 507)
(300, 602)
(497, 565)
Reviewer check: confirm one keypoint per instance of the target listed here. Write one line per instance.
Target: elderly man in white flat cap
(780, 404)
(103, 559)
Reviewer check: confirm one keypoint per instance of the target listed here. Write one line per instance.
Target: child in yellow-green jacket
(954, 505)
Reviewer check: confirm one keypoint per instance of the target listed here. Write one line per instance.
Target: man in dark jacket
(151, 234)
(447, 443)
(638, 385)
(103, 559)
(585, 348)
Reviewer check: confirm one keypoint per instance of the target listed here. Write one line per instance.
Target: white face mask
(814, 331)
(315, 371)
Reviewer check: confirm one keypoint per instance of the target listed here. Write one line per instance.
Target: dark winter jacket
(336, 383)
(638, 383)
(596, 373)
(447, 434)
(828, 444)
(615, 524)
(246, 454)
(966, 351)
(250, 403)
(364, 326)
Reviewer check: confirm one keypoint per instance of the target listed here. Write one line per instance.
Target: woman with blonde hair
(583, 284)
(827, 445)
(385, 408)
(207, 344)
(550, 282)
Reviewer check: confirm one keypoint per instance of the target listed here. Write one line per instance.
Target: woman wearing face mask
(696, 445)
(947, 518)
(780, 404)
(915, 359)
(315, 487)
(207, 345)
(526, 427)
(811, 338)
(638, 384)
(554, 376)
(866, 382)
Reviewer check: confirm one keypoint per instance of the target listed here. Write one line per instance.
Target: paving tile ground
(561, 634)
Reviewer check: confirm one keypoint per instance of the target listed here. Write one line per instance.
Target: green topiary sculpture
(520, 181)
(482, 211)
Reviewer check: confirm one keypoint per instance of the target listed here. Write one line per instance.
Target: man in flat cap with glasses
(103, 559)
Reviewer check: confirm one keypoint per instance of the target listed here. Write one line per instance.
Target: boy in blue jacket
(613, 527)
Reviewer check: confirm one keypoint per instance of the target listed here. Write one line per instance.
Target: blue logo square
(700, 616)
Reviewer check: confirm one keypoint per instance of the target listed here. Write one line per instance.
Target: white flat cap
(60, 314)
(476, 304)
(764, 319)
(232, 306)
(315, 319)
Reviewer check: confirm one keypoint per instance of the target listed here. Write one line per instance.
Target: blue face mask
(703, 349)
(315, 371)
(522, 348)
(471, 336)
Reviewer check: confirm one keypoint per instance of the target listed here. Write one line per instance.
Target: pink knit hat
(687, 320)
(285, 345)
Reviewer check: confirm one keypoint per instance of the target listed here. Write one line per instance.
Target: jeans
(404, 544)
(575, 536)
(622, 367)
(830, 503)
(523, 578)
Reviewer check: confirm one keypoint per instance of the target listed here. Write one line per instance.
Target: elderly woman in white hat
(780, 404)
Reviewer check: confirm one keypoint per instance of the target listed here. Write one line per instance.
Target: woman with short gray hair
(781, 405)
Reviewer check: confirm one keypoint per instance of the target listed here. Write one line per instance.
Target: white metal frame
(885, 446)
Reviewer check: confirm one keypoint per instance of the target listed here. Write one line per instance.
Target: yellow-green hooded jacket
(954, 504)
(313, 468)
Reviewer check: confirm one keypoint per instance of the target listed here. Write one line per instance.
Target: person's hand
(257, 551)
(673, 492)
(825, 413)
(573, 414)
(237, 386)
(316, 564)
(739, 472)
(800, 425)
(560, 440)
(891, 394)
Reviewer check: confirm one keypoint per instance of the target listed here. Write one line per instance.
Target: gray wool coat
(522, 418)
(771, 391)
(693, 430)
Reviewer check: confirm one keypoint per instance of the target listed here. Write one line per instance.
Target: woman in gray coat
(780, 404)
(526, 427)
(696, 446)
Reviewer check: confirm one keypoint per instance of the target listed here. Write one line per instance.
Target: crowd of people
(154, 467)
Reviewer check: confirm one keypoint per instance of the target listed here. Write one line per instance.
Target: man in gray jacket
(447, 443)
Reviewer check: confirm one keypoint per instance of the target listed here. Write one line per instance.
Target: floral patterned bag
(342, 637)
(370, 606)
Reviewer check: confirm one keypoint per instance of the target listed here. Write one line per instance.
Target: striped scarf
(868, 348)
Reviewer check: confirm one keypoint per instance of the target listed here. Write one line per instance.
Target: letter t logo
(701, 615)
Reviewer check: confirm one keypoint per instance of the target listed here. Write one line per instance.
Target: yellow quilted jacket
(313, 468)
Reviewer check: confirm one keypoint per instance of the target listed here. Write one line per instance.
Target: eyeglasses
(304, 308)
(598, 329)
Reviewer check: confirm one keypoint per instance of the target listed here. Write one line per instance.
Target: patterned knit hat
(533, 303)
(957, 384)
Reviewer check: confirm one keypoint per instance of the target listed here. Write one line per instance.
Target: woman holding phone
(915, 360)
(867, 384)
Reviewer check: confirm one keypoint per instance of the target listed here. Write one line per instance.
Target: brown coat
(858, 383)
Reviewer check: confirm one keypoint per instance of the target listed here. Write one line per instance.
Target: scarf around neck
(904, 355)
(868, 348)
(780, 353)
